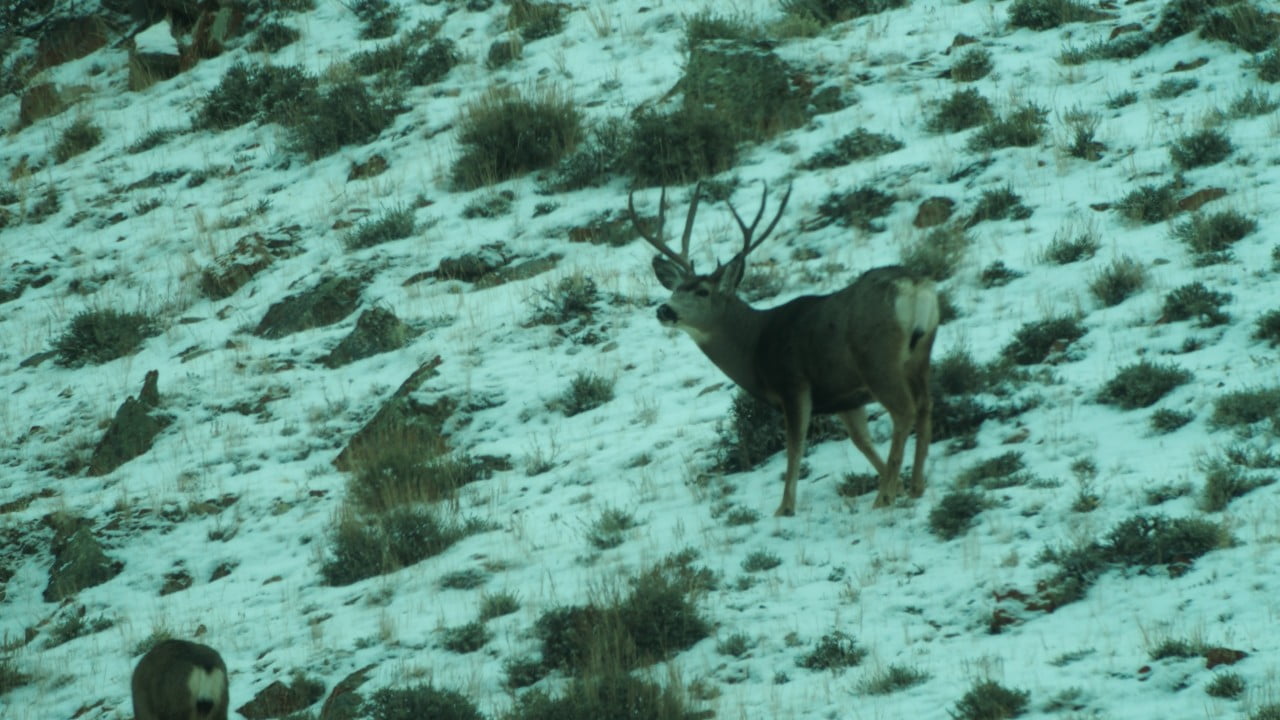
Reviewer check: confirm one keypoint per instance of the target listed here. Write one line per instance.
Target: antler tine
(688, 221)
(748, 230)
(657, 240)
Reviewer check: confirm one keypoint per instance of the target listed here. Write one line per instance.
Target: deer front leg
(796, 410)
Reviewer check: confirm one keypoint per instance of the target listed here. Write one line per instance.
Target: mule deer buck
(180, 680)
(815, 354)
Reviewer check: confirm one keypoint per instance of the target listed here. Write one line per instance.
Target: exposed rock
(344, 702)
(331, 300)
(175, 581)
(377, 331)
(412, 423)
(278, 700)
(934, 211)
(372, 167)
(131, 433)
(474, 267)
(232, 270)
(1215, 656)
(1199, 198)
(78, 559)
(20, 276)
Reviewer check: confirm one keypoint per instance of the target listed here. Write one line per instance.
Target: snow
(880, 575)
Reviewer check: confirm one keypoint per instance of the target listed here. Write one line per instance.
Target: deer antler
(657, 240)
(748, 230)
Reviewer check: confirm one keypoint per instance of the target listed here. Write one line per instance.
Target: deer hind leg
(919, 380)
(796, 411)
(898, 400)
(855, 421)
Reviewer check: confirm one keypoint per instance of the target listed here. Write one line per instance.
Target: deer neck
(731, 345)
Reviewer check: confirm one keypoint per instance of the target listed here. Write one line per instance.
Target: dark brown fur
(164, 679)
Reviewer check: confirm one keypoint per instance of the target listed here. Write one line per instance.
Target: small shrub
(679, 147)
(1253, 104)
(1241, 408)
(1161, 494)
(999, 204)
(1034, 341)
(1268, 71)
(1225, 480)
(1270, 711)
(601, 155)
(1198, 149)
(736, 645)
(835, 651)
(505, 134)
(153, 139)
(78, 137)
(99, 336)
(491, 205)
(1194, 300)
(535, 20)
(1242, 24)
(466, 638)
(609, 530)
(997, 274)
(706, 25)
(379, 18)
(954, 513)
(739, 516)
(345, 113)
(497, 605)
(938, 253)
(391, 225)
(1117, 281)
(1047, 14)
(859, 208)
(1214, 234)
(961, 110)
(586, 391)
(573, 298)
(753, 433)
(829, 12)
(365, 546)
(399, 472)
(1227, 685)
(973, 64)
(1084, 143)
(1173, 648)
(421, 701)
(857, 145)
(468, 579)
(1267, 328)
(1141, 384)
(1165, 421)
(1148, 540)
(1122, 99)
(272, 36)
(607, 695)
(1066, 248)
(1173, 87)
(10, 676)
(892, 679)
(997, 472)
(265, 93)
(761, 560)
(1023, 127)
(989, 700)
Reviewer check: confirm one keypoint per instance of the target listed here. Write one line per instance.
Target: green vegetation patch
(961, 110)
(1194, 301)
(1035, 341)
(98, 336)
(857, 145)
(836, 651)
(1141, 384)
(955, 512)
(80, 136)
(367, 545)
(1047, 14)
(418, 702)
(989, 700)
(505, 134)
(1021, 127)
(828, 12)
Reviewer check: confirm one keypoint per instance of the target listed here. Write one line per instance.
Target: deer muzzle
(666, 315)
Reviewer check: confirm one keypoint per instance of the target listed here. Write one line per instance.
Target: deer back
(180, 680)
(845, 346)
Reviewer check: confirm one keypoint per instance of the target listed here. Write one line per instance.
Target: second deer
(815, 354)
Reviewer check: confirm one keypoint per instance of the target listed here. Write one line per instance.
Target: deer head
(699, 303)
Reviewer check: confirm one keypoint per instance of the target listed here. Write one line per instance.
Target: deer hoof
(784, 511)
(882, 500)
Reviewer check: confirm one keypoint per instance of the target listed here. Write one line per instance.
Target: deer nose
(666, 315)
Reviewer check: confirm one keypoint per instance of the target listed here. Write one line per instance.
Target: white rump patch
(206, 685)
(916, 307)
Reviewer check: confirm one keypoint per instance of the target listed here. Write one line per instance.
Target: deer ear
(731, 275)
(669, 273)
